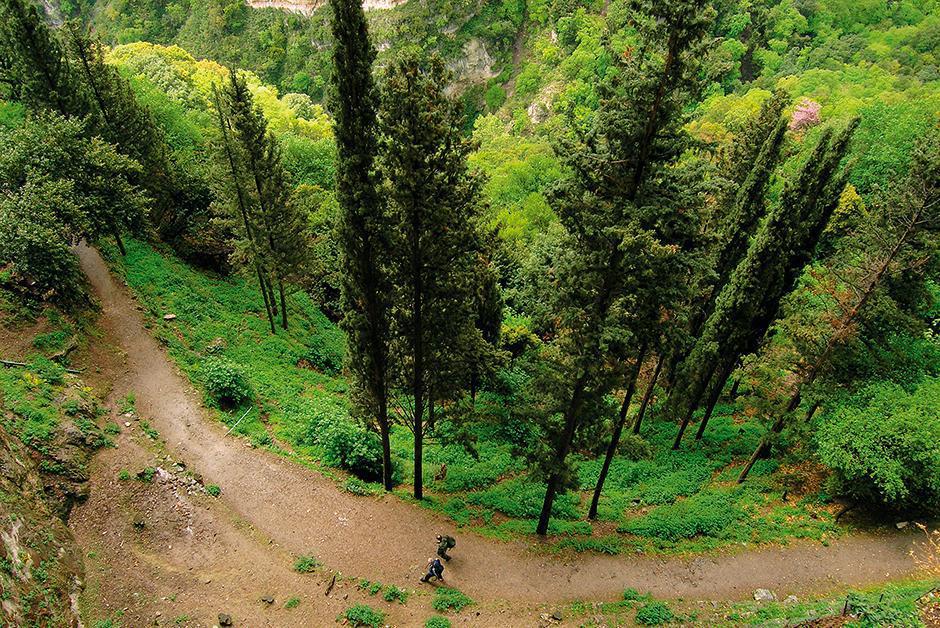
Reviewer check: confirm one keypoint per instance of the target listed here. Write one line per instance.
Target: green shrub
(883, 446)
(358, 487)
(351, 447)
(48, 370)
(364, 615)
(225, 382)
(393, 593)
(450, 599)
(437, 622)
(654, 614)
(146, 474)
(632, 595)
(633, 447)
(324, 355)
(124, 475)
(214, 490)
(520, 498)
(306, 564)
(292, 602)
(706, 514)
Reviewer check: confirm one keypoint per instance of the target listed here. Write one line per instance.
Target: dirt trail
(386, 539)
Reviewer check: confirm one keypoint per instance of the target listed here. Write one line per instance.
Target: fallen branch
(10, 364)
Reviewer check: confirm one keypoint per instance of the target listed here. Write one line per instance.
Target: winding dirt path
(386, 539)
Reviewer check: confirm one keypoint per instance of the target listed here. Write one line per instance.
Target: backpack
(451, 542)
(437, 567)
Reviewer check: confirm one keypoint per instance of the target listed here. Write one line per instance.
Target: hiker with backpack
(435, 570)
(445, 543)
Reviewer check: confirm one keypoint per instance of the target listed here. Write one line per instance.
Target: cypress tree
(127, 124)
(434, 206)
(35, 65)
(275, 224)
(621, 211)
(363, 226)
(748, 304)
(896, 239)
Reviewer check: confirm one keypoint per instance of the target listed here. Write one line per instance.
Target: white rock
(764, 595)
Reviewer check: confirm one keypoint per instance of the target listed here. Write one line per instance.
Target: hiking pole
(238, 421)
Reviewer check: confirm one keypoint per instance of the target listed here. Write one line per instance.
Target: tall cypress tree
(363, 226)
(434, 205)
(748, 304)
(123, 121)
(275, 225)
(35, 65)
(621, 211)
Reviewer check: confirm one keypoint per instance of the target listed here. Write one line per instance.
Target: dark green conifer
(363, 227)
(434, 206)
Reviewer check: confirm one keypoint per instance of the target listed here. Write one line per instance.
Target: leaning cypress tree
(363, 227)
(275, 223)
(35, 65)
(749, 302)
(123, 121)
(623, 219)
(434, 206)
(900, 238)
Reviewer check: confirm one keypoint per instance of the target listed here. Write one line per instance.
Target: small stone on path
(268, 599)
(225, 619)
(764, 595)
(791, 599)
(169, 317)
(900, 525)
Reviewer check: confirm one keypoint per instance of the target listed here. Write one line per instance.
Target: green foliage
(292, 602)
(437, 621)
(707, 514)
(446, 599)
(306, 564)
(213, 490)
(146, 474)
(365, 616)
(654, 614)
(348, 446)
(883, 445)
(225, 382)
(393, 593)
(521, 498)
(124, 475)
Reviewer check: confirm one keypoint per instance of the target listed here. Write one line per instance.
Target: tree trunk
(649, 393)
(384, 430)
(717, 387)
(264, 295)
(280, 286)
(733, 393)
(117, 239)
(690, 410)
(618, 430)
(571, 422)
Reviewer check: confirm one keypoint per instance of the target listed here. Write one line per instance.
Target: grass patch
(394, 594)
(292, 602)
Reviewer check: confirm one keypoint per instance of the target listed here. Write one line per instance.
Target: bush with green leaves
(883, 446)
(306, 564)
(446, 599)
(225, 382)
(325, 353)
(349, 446)
(654, 614)
(711, 514)
(393, 593)
(363, 615)
(437, 622)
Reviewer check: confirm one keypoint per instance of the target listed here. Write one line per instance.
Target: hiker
(435, 570)
(445, 543)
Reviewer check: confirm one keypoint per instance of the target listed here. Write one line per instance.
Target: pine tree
(624, 215)
(273, 227)
(434, 206)
(363, 226)
(748, 304)
(900, 237)
(120, 119)
(35, 66)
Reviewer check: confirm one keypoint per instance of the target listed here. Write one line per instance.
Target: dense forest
(629, 275)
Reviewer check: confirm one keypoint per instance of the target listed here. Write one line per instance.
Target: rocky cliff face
(41, 476)
(307, 7)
